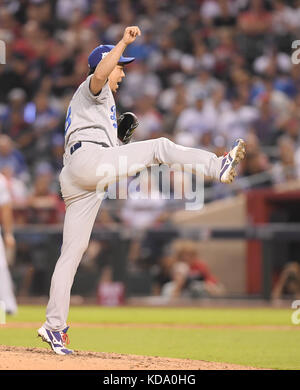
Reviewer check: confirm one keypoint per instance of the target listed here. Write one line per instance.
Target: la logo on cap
(104, 54)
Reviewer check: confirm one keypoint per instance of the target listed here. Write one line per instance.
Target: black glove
(127, 123)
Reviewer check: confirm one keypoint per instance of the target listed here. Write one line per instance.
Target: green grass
(267, 348)
(193, 316)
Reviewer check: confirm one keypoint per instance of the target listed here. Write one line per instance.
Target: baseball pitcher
(95, 138)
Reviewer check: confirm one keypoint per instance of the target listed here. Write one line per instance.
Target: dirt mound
(21, 358)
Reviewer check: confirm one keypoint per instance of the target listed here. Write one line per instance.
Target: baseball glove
(127, 123)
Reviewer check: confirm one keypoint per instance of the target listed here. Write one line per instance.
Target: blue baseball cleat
(56, 340)
(231, 160)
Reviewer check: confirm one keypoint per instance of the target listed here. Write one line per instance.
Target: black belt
(79, 144)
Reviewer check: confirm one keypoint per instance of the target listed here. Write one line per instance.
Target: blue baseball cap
(99, 53)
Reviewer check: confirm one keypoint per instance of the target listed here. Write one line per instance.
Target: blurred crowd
(206, 72)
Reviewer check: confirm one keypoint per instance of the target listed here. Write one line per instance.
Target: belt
(79, 144)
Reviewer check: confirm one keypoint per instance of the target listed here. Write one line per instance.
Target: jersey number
(113, 117)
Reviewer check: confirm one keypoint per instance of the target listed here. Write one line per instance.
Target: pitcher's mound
(21, 358)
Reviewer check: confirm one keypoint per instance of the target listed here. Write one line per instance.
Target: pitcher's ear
(91, 71)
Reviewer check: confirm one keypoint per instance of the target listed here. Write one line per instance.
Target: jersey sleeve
(100, 97)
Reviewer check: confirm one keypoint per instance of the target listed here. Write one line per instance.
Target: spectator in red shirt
(256, 21)
(254, 26)
(189, 275)
(44, 205)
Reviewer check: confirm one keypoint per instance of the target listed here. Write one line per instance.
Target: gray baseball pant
(79, 179)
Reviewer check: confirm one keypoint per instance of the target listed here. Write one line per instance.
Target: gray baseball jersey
(90, 117)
